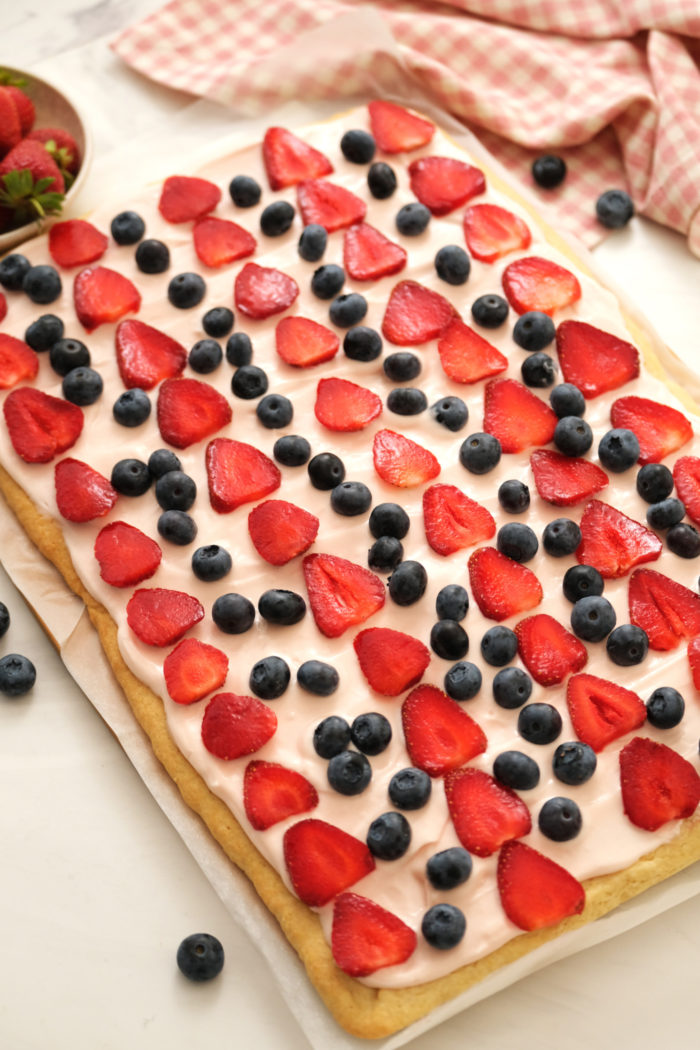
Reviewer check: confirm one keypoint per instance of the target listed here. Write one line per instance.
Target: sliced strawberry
(444, 183)
(238, 473)
(289, 160)
(76, 242)
(146, 355)
(302, 342)
(391, 661)
(344, 406)
(660, 429)
(465, 356)
(233, 725)
(602, 711)
(82, 493)
(657, 784)
(402, 462)
(329, 205)
(102, 295)
(193, 669)
(322, 860)
(218, 242)
(535, 891)
(502, 587)
(185, 198)
(694, 659)
(280, 531)
(492, 232)
(366, 937)
(453, 521)
(414, 314)
(272, 793)
(565, 480)
(665, 609)
(189, 410)
(341, 593)
(126, 555)
(613, 543)
(534, 283)
(485, 814)
(261, 291)
(594, 360)
(398, 130)
(686, 477)
(40, 425)
(17, 361)
(159, 616)
(440, 735)
(516, 416)
(369, 255)
(548, 650)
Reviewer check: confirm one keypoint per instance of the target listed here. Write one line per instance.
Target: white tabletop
(97, 888)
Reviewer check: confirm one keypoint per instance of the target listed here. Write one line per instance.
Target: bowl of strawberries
(44, 155)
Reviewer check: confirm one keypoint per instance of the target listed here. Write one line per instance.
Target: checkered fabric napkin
(613, 88)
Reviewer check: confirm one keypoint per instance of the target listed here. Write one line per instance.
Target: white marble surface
(98, 889)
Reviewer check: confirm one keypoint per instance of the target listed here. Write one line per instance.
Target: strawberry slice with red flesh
(185, 198)
(402, 462)
(398, 130)
(189, 410)
(453, 521)
(82, 493)
(391, 661)
(594, 360)
(602, 711)
(694, 659)
(484, 812)
(341, 593)
(76, 242)
(218, 242)
(322, 860)
(329, 205)
(344, 406)
(565, 480)
(444, 183)
(366, 937)
(548, 650)
(193, 669)
(238, 473)
(664, 608)
(660, 429)
(686, 477)
(160, 616)
(272, 792)
(126, 555)
(301, 342)
(440, 735)
(145, 355)
(502, 587)
(369, 255)
(234, 725)
(613, 543)
(280, 531)
(535, 283)
(101, 295)
(3, 307)
(465, 356)
(41, 426)
(491, 232)
(17, 361)
(516, 416)
(657, 784)
(415, 314)
(535, 891)
(289, 160)
(261, 291)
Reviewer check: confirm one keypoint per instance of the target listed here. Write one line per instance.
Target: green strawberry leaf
(27, 198)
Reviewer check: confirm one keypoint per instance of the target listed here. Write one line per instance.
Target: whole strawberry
(31, 184)
(62, 147)
(10, 124)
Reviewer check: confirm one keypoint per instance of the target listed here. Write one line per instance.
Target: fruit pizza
(387, 521)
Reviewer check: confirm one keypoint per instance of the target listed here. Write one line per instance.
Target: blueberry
(131, 477)
(318, 678)
(614, 209)
(358, 146)
(17, 675)
(218, 321)
(534, 330)
(269, 678)
(450, 412)
(560, 819)
(132, 408)
(412, 219)
(567, 400)
(443, 926)
(127, 227)
(200, 957)
(592, 618)
(407, 583)
(665, 708)
(186, 290)
(574, 762)
(44, 332)
(581, 581)
(177, 527)
(211, 563)
(292, 450)
(666, 513)
(331, 736)
(538, 370)
(351, 498)
(245, 191)
(627, 645)
(452, 264)
(233, 613)
(347, 310)
(618, 450)
(281, 607)
(573, 436)
(249, 382)
(410, 788)
(389, 836)
(371, 733)
(327, 281)
(683, 540)
(548, 170)
(449, 868)
(499, 645)
(175, 490)
(381, 180)
(205, 356)
(82, 386)
(517, 541)
(402, 366)
(4, 619)
(452, 602)
(512, 687)
(539, 723)
(406, 401)
(463, 681)
(449, 640)
(349, 772)
(239, 349)
(561, 537)
(275, 411)
(490, 311)
(152, 256)
(389, 519)
(385, 554)
(362, 343)
(514, 496)
(13, 269)
(654, 482)
(326, 470)
(516, 770)
(312, 242)
(67, 354)
(162, 460)
(42, 284)
(276, 218)
(480, 453)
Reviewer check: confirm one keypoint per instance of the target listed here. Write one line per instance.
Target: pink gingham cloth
(613, 88)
